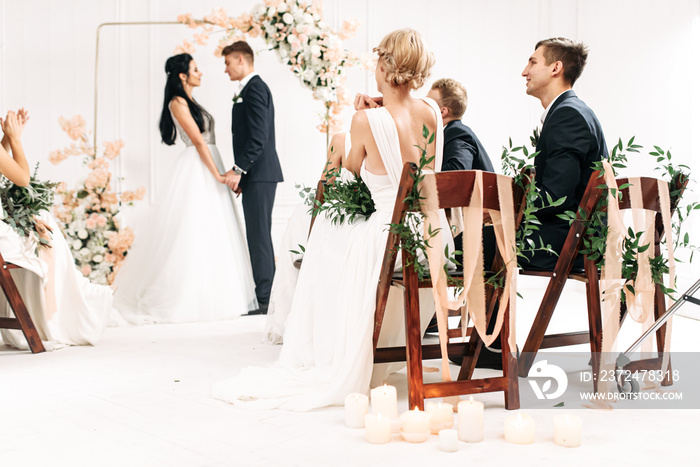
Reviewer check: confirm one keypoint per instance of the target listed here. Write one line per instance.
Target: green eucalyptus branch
(23, 204)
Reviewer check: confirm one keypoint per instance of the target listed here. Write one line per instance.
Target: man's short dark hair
(239, 47)
(571, 54)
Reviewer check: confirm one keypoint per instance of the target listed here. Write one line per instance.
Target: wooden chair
(22, 318)
(455, 189)
(537, 339)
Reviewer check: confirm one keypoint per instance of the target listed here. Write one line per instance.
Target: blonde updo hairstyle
(405, 58)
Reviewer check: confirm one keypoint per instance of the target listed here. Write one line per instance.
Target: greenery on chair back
(596, 230)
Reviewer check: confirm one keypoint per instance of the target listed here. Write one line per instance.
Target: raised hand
(23, 116)
(11, 125)
(363, 101)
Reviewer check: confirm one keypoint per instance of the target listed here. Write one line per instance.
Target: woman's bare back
(409, 120)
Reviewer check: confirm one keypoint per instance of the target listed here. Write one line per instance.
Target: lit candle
(470, 417)
(384, 401)
(415, 426)
(567, 430)
(520, 429)
(377, 429)
(441, 416)
(356, 406)
(448, 440)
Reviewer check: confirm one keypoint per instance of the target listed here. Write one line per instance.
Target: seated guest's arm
(568, 140)
(360, 135)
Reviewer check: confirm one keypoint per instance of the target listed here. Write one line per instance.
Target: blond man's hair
(452, 95)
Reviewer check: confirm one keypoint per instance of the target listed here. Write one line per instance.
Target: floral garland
(303, 41)
(87, 215)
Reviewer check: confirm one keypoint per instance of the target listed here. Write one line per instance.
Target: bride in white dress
(65, 307)
(190, 262)
(327, 350)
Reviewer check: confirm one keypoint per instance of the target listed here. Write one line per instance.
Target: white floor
(140, 398)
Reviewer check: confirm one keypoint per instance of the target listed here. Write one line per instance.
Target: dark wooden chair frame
(537, 338)
(455, 190)
(22, 320)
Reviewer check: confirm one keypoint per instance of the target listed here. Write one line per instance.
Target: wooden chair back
(537, 338)
(454, 190)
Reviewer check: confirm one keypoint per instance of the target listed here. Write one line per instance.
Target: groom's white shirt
(244, 81)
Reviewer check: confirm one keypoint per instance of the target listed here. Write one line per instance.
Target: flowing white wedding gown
(284, 285)
(189, 262)
(327, 351)
(66, 308)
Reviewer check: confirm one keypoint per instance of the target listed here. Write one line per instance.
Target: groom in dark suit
(570, 142)
(257, 170)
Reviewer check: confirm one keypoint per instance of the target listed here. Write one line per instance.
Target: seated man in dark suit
(570, 142)
(462, 149)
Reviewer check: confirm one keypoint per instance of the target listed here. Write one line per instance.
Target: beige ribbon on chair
(640, 303)
(474, 291)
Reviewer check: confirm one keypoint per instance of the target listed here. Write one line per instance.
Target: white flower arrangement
(87, 215)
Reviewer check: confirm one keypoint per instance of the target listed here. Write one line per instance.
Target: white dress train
(189, 262)
(295, 238)
(327, 350)
(81, 308)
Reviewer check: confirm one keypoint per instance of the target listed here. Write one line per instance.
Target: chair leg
(510, 366)
(660, 309)
(542, 319)
(414, 350)
(20, 310)
(594, 318)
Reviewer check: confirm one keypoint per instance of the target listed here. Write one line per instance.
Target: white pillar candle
(448, 440)
(384, 401)
(415, 426)
(470, 421)
(441, 416)
(356, 406)
(520, 429)
(567, 430)
(377, 429)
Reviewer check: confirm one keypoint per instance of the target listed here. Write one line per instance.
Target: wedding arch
(295, 29)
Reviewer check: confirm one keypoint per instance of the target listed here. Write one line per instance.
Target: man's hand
(363, 101)
(232, 179)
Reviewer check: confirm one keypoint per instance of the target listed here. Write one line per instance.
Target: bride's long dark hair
(173, 87)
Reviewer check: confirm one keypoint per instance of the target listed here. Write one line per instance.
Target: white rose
(77, 244)
(292, 39)
(307, 18)
(315, 50)
(282, 7)
(85, 252)
(308, 75)
(288, 18)
(97, 259)
(82, 234)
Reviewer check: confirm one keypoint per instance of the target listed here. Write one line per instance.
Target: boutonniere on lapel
(237, 99)
(535, 138)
